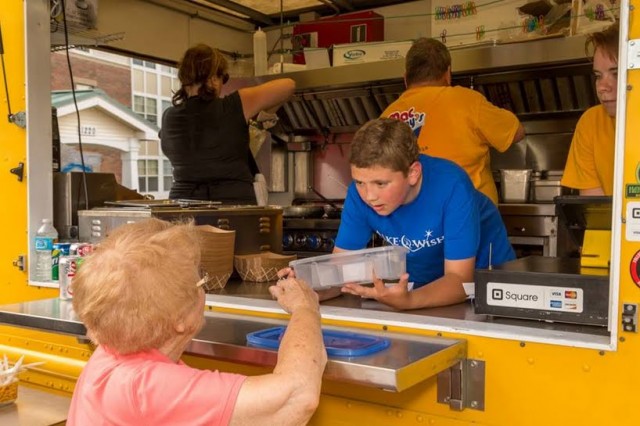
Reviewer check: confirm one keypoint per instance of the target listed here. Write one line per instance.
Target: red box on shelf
(347, 28)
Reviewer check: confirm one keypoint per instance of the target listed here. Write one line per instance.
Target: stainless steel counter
(407, 361)
(458, 319)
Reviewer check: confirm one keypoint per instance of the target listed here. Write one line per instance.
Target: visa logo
(556, 293)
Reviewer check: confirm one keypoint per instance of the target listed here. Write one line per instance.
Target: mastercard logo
(569, 294)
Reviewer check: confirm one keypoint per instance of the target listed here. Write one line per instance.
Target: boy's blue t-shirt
(449, 219)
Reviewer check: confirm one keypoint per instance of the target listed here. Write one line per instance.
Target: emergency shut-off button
(630, 317)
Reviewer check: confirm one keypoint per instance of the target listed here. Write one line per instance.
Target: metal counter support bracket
(463, 385)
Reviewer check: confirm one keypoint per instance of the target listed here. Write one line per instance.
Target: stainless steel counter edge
(431, 323)
(407, 360)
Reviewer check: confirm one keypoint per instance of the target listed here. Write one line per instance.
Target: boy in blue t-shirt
(425, 204)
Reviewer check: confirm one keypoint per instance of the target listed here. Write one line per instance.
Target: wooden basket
(217, 248)
(261, 267)
(8, 393)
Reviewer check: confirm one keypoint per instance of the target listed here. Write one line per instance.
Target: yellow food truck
(482, 361)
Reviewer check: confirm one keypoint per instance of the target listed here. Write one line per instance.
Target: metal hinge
(463, 385)
(633, 54)
(630, 317)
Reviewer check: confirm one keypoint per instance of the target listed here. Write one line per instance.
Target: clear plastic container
(388, 262)
(46, 237)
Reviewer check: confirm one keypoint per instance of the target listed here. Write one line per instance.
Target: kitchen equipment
(181, 203)
(544, 191)
(257, 228)
(332, 211)
(69, 197)
(514, 185)
(303, 211)
(308, 237)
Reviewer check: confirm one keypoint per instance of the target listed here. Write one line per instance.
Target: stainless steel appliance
(69, 197)
(309, 237)
(257, 228)
(534, 229)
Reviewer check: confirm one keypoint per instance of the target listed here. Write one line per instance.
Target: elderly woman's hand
(293, 294)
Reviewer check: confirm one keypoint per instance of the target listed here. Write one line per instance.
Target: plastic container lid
(337, 343)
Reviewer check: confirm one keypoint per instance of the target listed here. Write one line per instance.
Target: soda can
(84, 249)
(63, 247)
(55, 261)
(73, 249)
(68, 266)
(59, 249)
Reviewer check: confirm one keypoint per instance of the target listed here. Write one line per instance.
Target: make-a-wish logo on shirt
(414, 245)
(413, 118)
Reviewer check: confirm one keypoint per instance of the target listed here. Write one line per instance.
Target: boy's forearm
(447, 290)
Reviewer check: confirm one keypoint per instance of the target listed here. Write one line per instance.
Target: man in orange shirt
(452, 122)
(590, 163)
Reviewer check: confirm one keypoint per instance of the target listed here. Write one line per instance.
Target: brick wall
(114, 79)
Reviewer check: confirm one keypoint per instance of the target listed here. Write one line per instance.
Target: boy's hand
(396, 296)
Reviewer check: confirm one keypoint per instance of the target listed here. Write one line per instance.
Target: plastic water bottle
(259, 52)
(46, 237)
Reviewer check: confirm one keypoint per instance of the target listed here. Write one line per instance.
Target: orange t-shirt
(591, 156)
(458, 124)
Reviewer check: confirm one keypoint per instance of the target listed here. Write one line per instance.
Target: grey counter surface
(407, 361)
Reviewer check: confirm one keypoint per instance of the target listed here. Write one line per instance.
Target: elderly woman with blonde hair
(140, 297)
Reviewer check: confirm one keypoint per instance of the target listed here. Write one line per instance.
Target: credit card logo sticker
(570, 294)
(539, 297)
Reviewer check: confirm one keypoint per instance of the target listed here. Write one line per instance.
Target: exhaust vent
(531, 79)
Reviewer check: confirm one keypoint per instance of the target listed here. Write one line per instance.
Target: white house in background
(114, 140)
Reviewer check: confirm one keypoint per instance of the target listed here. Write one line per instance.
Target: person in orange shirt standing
(590, 163)
(452, 122)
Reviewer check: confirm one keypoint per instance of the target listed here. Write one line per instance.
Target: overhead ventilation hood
(547, 76)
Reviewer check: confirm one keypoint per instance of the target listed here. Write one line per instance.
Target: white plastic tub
(388, 262)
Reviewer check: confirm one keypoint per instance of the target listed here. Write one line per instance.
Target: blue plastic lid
(337, 343)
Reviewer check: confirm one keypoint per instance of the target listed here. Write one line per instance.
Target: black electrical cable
(75, 103)
(4, 74)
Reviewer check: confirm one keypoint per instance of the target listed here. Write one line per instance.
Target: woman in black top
(206, 137)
